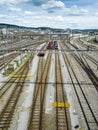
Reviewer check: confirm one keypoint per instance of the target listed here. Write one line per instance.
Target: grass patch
(8, 71)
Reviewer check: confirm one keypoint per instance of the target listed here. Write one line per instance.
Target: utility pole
(3, 51)
(20, 44)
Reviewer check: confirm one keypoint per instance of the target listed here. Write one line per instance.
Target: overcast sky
(79, 14)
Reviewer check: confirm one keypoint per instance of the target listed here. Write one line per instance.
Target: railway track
(83, 63)
(12, 79)
(37, 114)
(6, 60)
(8, 110)
(86, 67)
(86, 55)
(6, 57)
(87, 46)
(62, 114)
(89, 116)
(7, 85)
(91, 59)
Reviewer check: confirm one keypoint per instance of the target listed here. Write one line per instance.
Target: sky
(74, 14)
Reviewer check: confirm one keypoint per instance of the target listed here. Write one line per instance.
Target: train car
(55, 45)
(41, 53)
(49, 45)
(52, 45)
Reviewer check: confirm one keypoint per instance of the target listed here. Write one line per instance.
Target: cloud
(4, 2)
(38, 2)
(75, 11)
(11, 2)
(52, 13)
(96, 14)
(29, 12)
(57, 21)
(56, 7)
(14, 9)
(59, 18)
(52, 6)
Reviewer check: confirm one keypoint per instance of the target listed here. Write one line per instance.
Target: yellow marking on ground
(26, 91)
(18, 120)
(28, 78)
(22, 76)
(19, 109)
(45, 58)
(25, 58)
(2, 100)
(61, 104)
(29, 75)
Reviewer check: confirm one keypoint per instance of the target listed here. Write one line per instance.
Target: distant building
(69, 30)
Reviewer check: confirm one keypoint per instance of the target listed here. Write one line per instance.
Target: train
(55, 45)
(42, 51)
(50, 45)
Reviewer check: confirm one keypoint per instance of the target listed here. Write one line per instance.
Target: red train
(41, 53)
(50, 45)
